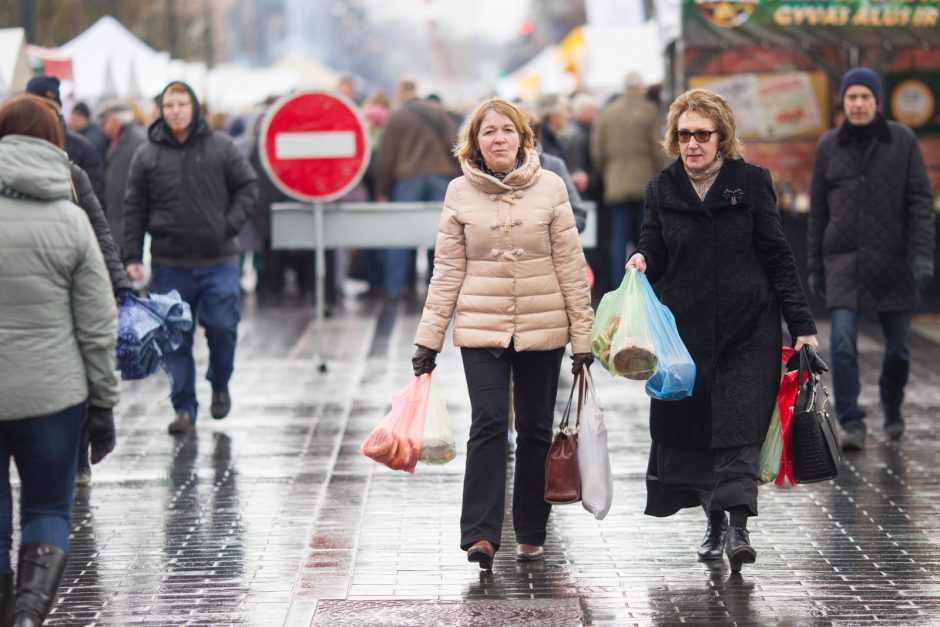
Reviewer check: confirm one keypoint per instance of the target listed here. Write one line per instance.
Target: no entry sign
(315, 145)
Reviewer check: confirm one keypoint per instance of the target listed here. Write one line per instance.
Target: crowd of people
(675, 199)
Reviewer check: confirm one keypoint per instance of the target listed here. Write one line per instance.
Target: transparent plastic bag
(621, 338)
(597, 482)
(396, 441)
(772, 448)
(438, 445)
(674, 376)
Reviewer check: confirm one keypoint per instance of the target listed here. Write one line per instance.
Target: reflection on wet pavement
(272, 517)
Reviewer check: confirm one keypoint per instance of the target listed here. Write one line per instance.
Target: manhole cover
(475, 612)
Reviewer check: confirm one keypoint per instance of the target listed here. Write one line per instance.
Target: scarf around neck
(702, 180)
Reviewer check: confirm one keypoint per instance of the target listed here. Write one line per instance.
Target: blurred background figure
(625, 149)
(80, 122)
(124, 135)
(553, 115)
(58, 330)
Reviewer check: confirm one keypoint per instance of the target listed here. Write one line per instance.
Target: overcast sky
(495, 19)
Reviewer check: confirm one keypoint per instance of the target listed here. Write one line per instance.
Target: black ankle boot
(6, 600)
(739, 549)
(38, 575)
(714, 541)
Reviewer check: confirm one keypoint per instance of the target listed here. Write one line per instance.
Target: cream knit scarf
(702, 180)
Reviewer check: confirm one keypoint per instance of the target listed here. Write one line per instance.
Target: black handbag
(814, 443)
(562, 473)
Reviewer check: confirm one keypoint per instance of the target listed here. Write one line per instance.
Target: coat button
(518, 194)
(492, 196)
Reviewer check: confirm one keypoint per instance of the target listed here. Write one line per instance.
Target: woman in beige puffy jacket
(510, 271)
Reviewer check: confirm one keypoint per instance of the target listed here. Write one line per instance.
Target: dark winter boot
(6, 600)
(38, 575)
(713, 544)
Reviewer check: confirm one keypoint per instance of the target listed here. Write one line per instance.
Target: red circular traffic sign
(315, 145)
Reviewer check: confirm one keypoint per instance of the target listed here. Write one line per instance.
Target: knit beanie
(45, 86)
(861, 76)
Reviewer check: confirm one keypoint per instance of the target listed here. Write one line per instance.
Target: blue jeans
(45, 449)
(625, 222)
(414, 189)
(212, 293)
(895, 366)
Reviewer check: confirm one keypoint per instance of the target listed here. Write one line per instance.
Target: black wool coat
(725, 270)
(871, 214)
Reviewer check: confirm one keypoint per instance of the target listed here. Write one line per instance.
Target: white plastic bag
(437, 445)
(597, 482)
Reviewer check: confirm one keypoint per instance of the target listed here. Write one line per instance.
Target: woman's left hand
(806, 339)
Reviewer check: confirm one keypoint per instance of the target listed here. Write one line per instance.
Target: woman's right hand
(135, 271)
(637, 261)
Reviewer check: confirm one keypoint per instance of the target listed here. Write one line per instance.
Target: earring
(718, 155)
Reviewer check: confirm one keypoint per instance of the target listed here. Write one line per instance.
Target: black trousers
(535, 385)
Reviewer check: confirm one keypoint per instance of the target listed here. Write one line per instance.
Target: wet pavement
(271, 517)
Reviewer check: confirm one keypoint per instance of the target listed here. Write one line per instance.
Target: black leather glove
(580, 360)
(423, 361)
(122, 294)
(98, 431)
(817, 285)
(923, 271)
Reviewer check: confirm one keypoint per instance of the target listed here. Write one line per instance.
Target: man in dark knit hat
(871, 246)
(80, 150)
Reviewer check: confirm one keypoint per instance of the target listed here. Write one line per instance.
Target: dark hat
(45, 86)
(81, 109)
(861, 76)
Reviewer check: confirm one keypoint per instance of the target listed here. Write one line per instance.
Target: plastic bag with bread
(396, 441)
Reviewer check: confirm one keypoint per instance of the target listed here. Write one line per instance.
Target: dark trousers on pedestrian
(535, 385)
(895, 366)
(45, 450)
(212, 294)
(626, 219)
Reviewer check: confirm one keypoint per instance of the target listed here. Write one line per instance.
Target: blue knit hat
(861, 76)
(45, 86)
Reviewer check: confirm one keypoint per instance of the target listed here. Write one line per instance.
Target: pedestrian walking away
(871, 246)
(192, 189)
(510, 271)
(713, 240)
(58, 330)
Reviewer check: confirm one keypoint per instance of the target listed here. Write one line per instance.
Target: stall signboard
(912, 98)
(773, 105)
(901, 23)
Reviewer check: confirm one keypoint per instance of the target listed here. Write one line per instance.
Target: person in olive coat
(712, 241)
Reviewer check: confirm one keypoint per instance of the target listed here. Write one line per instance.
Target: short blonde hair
(467, 148)
(715, 108)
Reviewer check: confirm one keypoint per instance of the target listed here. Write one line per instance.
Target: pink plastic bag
(396, 441)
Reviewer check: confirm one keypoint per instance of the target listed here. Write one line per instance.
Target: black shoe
(894, 423)
(853, 436)
(221, 404)
(713, 544)
(39, 572)
(738, 547)
(184, 424)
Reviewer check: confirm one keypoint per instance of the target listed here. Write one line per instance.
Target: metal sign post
(320, 260)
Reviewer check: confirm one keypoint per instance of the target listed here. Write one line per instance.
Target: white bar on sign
(315, 145)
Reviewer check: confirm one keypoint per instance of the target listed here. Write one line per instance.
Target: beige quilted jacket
(508, 265)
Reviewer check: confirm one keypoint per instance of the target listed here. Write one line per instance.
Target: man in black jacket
(192, 190)
(871, 245)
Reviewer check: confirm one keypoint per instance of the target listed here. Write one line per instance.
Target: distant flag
(49, 61)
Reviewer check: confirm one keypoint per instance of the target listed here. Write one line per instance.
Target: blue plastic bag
(147, 330)
(674, 375)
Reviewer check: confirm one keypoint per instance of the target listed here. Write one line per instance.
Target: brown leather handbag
(562, 477)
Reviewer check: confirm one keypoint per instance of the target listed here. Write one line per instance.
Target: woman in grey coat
(713, 242)
(58, 333)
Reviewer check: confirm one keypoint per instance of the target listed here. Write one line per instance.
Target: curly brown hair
(712, 106)
(467, 149)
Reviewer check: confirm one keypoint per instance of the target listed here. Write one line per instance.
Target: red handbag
(562, 477)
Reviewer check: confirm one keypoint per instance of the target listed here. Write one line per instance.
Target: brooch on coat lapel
(733, 195)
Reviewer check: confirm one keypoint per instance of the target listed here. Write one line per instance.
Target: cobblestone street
(271, 516)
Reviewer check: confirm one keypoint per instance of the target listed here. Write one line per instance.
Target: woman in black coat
(713, 243)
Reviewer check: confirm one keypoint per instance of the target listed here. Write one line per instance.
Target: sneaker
(184, 424)
(853, 436)
(221, 404)
(894, 423)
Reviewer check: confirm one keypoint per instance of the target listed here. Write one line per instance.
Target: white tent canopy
(235, 88)
(109, 61)
(612, 52)
(14, 68)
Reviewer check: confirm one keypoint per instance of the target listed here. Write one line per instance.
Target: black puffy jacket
(192, 197)
(86, 199)
(85, 155)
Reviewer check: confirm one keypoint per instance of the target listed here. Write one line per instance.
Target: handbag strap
(812, 378)
(563, 425)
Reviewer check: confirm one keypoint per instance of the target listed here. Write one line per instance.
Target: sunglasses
(701, 137)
